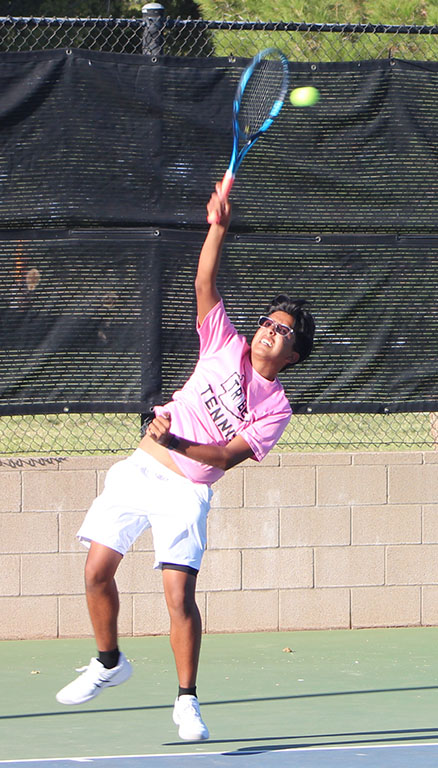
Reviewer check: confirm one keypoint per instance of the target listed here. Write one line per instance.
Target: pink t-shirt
(225, 397)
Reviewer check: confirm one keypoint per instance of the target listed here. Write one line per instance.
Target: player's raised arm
(207, 294)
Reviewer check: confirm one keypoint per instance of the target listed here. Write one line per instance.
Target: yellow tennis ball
(304, 97)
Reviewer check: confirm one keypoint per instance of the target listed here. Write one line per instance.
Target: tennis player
(232, 408)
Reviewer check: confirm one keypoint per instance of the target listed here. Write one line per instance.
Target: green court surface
(261, 694)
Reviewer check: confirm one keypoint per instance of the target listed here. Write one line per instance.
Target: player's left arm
(220, 456)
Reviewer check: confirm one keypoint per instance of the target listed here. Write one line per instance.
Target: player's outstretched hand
(218, 209)
(159, 429)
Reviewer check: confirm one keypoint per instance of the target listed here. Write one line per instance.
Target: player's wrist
(173, 443)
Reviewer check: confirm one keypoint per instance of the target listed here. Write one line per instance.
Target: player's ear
(293, 357)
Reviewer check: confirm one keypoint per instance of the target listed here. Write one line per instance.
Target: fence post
(153, 16)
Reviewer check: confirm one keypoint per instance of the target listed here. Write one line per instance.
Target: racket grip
(227, 183)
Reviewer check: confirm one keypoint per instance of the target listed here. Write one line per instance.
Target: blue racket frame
(236, 155)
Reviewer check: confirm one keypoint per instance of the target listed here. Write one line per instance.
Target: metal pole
(153, 17)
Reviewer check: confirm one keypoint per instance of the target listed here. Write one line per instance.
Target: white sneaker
(93, 680)
(186, 714)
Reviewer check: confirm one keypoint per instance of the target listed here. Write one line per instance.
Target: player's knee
(98, 574)
(180, 596)
(183, 605)
(94, 577)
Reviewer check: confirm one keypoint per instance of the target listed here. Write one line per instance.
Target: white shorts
(141, 493)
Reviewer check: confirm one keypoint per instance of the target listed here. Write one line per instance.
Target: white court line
(334, 748)
(227, 753)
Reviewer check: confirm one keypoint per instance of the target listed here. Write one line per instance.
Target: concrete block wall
(302, 541)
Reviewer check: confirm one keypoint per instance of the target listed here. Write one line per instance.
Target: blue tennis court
(400, 755)
(301, 699)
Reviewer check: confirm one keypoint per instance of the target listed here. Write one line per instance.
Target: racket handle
(227, 183)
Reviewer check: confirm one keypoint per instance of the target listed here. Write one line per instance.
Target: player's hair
(304, 325)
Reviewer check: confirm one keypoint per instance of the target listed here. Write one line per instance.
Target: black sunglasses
(268, 322)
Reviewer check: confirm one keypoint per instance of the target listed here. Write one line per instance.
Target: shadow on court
(229, 702)
(355, 689)
(335, 739)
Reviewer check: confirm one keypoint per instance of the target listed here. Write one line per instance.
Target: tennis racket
(259, 98)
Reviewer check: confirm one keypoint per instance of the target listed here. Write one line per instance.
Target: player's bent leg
(102, 595)
(103, 603)
(185, 623)
(185, 639)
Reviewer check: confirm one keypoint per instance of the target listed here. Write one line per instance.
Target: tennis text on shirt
(225, 397)
(232, 401)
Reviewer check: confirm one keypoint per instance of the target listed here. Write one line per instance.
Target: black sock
(187, 691)
(109, 659)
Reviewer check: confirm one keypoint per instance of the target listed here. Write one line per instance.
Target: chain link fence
(155, 34)
(88, 433)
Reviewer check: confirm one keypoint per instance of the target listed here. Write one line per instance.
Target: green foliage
(94, 8)
(328, 11)
(323, 11)
(65, 8)
(314, 46)
(184, 9)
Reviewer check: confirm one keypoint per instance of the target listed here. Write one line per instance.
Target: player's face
(274, 340)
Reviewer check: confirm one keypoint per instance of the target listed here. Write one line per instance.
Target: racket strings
(263, 89)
